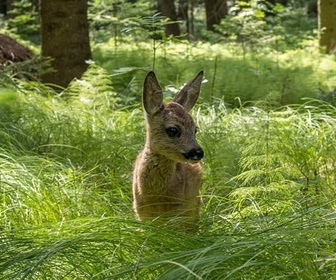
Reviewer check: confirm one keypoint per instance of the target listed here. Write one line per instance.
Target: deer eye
(173, 132)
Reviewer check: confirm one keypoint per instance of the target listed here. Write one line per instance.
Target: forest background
(71, 125)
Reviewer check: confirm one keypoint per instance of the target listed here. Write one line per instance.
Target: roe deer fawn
(167, 172)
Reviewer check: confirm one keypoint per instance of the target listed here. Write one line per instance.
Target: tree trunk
(215, 11)
(183, 13)
(167, 8)
(327, 24)
(3, 7)
(65, 38)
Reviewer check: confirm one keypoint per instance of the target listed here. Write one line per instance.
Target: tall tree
(3, 7)
(327, 24)
(167, 8)
(215, 11)
(65, 38)
(183, 13)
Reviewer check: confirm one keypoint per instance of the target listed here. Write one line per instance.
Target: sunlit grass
(65, 179)
(282, 77)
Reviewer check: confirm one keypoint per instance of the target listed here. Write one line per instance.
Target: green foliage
(287, 158)
(23, 19)
(112, 18)
(123, 252)
(260, 25)
(270, 50)
(268, 194)
(268, 191)
(246, 24)
(30, 69)
(92, 92)
(285, 78)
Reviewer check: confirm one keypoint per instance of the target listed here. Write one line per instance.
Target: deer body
(167, 172)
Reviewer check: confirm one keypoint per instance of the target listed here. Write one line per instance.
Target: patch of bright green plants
(65, 190)
(279, 78)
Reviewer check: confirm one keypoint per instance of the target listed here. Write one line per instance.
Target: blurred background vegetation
(255, 51)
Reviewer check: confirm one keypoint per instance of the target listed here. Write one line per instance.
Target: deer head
(171, 131)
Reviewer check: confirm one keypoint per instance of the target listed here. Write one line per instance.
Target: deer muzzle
(194, 154)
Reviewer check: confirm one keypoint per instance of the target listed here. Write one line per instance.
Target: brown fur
(165, 182)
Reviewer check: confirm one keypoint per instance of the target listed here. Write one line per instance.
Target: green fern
(287, 158)
(94, 90)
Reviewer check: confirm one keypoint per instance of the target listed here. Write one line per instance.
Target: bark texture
(65, 38)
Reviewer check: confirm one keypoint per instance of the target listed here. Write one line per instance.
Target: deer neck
(158, 161)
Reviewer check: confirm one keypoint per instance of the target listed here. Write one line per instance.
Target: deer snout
(194, 154)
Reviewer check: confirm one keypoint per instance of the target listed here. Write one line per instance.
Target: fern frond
(94, 89)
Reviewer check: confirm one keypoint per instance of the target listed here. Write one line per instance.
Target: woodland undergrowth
(266, 119)
(268, 195)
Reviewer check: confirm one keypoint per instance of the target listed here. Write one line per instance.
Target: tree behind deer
(167, 172)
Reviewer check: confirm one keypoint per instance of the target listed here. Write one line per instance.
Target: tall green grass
(119, 249)
(268, 206)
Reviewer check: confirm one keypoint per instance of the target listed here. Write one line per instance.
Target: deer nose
(194, 154)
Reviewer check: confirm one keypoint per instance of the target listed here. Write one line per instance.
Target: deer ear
(152, 94)
(188, 95)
